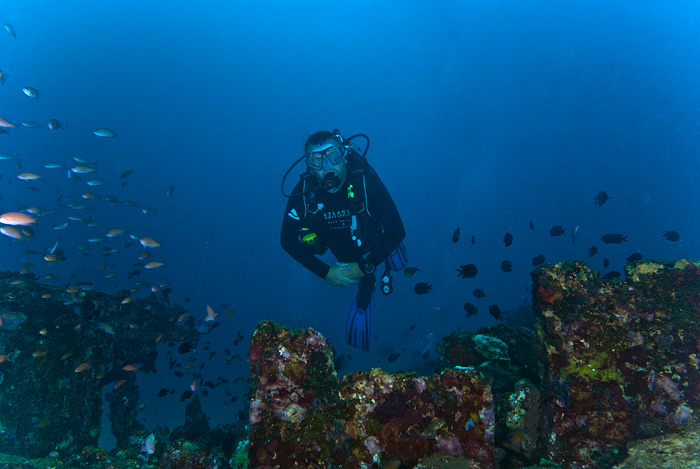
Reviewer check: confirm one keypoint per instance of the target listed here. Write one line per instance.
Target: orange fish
(82, 169)
(129, 368)
(155, 289)
(115, 232)
(102, 267)
(39, 353)
(46, 296)
(111, 275)
(82, 367)
(4, 358)
(50, 258)
(153, 265)
(66, 355)
(144, 255)
(119, 383)
(159, 338)
(194, 386)
(90, 195)
(126, 300)
(11, 232)
(211, 315)
(43, 331)
(72, 289)
(149, 243)
(182, 317)
(28, 176)
(16, 218)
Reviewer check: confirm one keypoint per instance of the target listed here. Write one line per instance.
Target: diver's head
(325, 158)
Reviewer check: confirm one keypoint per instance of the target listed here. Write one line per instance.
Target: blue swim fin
(359, 325)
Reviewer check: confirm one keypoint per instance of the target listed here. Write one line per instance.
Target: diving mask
(325, 158)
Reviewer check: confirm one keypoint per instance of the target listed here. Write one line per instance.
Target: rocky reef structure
(610, 363)
(303, 416)
(58, 348)
(621, 358)
(507, 357)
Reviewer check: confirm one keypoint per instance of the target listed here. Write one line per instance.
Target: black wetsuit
(329, 217)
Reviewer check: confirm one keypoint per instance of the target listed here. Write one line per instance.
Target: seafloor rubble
(609, 378)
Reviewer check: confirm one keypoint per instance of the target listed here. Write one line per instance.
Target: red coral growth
(549, 296)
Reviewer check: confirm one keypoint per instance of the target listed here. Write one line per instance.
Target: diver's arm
(289, 239)
(384, 211)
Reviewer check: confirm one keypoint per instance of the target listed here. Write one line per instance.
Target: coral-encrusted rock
(409, 417)
(621, 358)
(506, 357)
(302, 417)
(294, 391)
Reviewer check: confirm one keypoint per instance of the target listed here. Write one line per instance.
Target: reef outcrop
(621, 358)
(302, 415)
(507, 358)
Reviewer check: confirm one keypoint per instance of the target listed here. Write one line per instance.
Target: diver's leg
(359, 325)
(398, 258)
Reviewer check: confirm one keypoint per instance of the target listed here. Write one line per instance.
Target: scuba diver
(341, 205)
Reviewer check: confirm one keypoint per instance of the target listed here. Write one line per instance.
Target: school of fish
(72, 242)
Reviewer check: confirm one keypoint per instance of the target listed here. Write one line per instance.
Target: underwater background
(486, 116)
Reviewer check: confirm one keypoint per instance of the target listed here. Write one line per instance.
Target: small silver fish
(31, 92)
(52, 248)
(149, 446)
(11, 29)
(104, 133)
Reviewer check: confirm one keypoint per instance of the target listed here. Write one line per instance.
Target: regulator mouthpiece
(331, 181)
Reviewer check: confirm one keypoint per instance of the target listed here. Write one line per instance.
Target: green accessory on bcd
(309, 238)
(351, 194)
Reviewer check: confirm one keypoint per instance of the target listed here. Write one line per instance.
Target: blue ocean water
(483, 115)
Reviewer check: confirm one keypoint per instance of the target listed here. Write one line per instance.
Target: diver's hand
(352, 271)
(336, 276)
